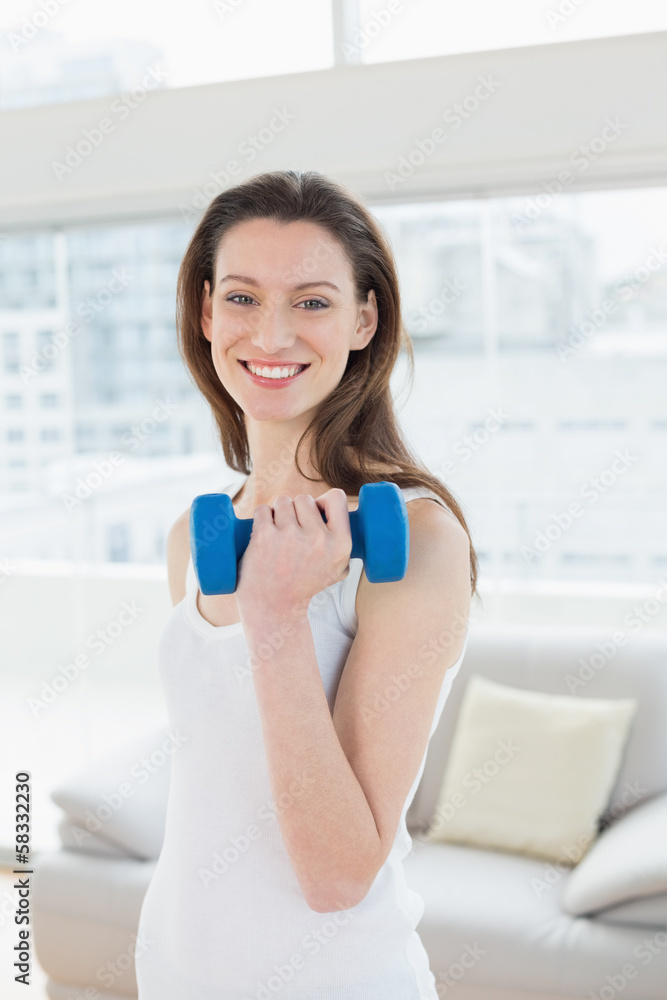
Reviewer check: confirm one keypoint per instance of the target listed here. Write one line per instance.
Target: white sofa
(497, 926)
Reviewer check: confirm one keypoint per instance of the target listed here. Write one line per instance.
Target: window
(601, 561)
(529, 396)
(119, 543)
(85, 435)
(50, 434)
(15, 434)
(48, 400)
(10, 347)
(13, 401)
(593, 425)
(88, 56)
(526, 394)
(21, 255)
(428, 28)
(47, 350)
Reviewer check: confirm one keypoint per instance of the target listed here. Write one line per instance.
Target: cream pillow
(530, 772)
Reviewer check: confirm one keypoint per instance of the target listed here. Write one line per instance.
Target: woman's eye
(316, 301)
(233, 298)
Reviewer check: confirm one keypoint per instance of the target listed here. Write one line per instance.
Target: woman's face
(274, 303)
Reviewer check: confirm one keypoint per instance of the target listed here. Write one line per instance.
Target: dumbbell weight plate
(385, 540)
(216, 535)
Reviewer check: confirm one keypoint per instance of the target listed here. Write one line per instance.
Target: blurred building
(37, 67)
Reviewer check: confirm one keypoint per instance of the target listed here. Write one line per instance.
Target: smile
(274, 375)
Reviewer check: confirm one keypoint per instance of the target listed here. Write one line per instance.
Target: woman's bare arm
(178, 554)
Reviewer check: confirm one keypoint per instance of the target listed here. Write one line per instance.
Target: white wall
(50, 611)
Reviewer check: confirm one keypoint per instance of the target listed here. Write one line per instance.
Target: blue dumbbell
(379, 529)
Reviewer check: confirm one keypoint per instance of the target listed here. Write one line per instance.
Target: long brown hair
(356, 435)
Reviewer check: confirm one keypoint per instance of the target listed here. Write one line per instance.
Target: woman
(308, 697)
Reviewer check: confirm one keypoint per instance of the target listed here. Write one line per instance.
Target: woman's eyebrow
(297, 288)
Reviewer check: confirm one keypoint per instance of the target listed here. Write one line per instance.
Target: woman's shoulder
(178, 555)
(431, 520)
(439, 552)
(420, 498)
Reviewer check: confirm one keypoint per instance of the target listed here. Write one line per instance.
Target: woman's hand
(292, 555)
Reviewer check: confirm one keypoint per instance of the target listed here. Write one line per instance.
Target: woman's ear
(207, 311)
(368, 321)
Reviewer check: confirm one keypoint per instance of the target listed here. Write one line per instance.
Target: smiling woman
(289, 336)
(242, 297)
(289, 320)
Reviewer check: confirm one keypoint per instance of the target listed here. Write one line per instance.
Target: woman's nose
(273, 330)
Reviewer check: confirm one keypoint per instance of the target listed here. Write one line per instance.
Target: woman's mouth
(273, 376)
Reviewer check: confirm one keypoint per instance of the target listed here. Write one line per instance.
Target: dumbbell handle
(243, 529)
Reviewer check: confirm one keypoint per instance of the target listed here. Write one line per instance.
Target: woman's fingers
(283, 512)
(334, 505)
(307, 511)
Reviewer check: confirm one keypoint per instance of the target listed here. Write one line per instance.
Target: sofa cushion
(490, 918)
(121, 797)
(514, 779)
(628, 861)
(584, 662)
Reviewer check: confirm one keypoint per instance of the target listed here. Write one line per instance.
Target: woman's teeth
(274, 371)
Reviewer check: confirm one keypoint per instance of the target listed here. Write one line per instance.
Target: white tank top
(224, 916)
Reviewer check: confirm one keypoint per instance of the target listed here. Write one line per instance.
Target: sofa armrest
(120, 800)
(76, 838)
(649, 911)
(627, 861)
